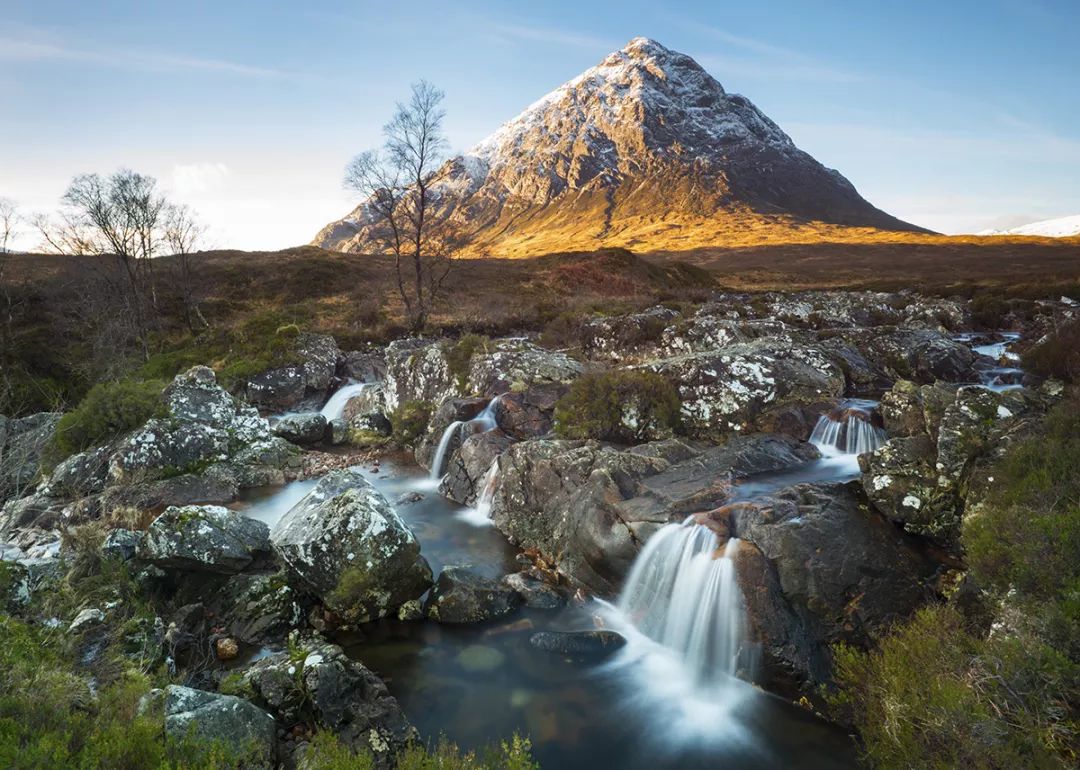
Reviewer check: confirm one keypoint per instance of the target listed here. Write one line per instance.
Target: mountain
(645, 150)
(1063, 227)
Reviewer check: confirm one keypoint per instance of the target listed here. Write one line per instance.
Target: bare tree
(182, 233)
(122, 216)
(396, 184)
(9, 220)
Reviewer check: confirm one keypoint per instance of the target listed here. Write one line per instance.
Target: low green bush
(1058, 355)
(623, 406)
(326, 752)
(107, 411)
(934, 695)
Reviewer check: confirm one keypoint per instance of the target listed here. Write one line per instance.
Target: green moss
(410, 421)
(459, 356)
(109, 410)
(367, 438)
(623, 406)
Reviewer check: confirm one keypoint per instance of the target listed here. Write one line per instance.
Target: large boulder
(420, 370)
(750, 386)
(587, 508)
(924, 480)
(84, 473)
(462, 595)
(617, 338)
(204, 425)
(707, 331)
(204, 538)
(305, 428)
(21, 443)
(308, 381)
(345, 544)
(843, 573)
(920, 355)
(215, 718)
(258, 608)
(316, 680)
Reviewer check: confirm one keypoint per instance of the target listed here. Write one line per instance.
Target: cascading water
(848, 433)
(438, 463)
(482, 423)
(480, 516)
(335, 406)
(684, 595)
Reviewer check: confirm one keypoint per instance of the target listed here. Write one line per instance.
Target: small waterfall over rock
(682, 593)
(848, 430)
(335, 407)
(480, 516)
(483, 422)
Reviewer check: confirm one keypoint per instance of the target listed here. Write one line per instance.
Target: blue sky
(956, 116)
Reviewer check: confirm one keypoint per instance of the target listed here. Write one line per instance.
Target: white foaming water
(439, 461)
(684, 619)
(335, 407)
(482, 423)
(850, 436)
(480, 516)
(272, 507)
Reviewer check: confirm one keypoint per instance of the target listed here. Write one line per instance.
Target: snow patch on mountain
(1062, 227)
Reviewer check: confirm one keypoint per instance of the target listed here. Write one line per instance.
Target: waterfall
(684, 595)
(335, 407)
(482, 423)
(439, 461)
(848, 433)
(480, 516)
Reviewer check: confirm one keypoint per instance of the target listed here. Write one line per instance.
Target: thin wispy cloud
(551, 36)
(23, 50)
(756, 58)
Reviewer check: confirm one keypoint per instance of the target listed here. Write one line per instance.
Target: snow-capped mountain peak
(645, 136)
(1062, 227)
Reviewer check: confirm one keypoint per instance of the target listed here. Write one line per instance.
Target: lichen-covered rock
(14, 587)
(528, 414)
(81, 474)
(462, 595)
(317, 680)
(215, 718)
(616, 338)
(746, 386)
(707, 332)
(364, 365)
(345, 544)
(289, 386)
(370, 400)
(419, 370)
(258, 608)
(120, 545)
(205, 538)
(588, 508)
(21, 444)
(205, 425)
(923, 480)
(306, 428)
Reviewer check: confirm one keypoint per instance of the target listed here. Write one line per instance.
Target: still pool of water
(477, 684)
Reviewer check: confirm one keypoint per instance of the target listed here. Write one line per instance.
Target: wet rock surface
(347, 545)
(584, 645)
(462, 595)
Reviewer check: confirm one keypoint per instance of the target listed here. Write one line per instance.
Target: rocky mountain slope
(644, 150)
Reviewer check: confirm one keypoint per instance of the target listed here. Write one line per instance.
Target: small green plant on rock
(459, 356)
(625, 406)
(410, 421)
(109, 410)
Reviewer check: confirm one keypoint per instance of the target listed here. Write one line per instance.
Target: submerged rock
(587, 645)
(346, 544)
(462, 595)
(216, 718)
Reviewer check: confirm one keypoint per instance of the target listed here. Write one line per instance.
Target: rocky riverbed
(277, 529)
